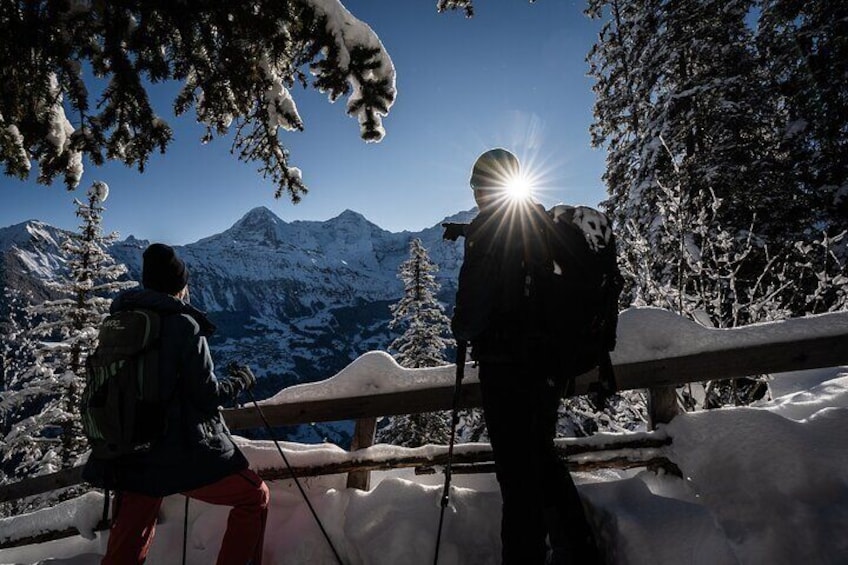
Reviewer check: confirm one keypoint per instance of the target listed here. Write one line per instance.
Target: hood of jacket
(146, 299)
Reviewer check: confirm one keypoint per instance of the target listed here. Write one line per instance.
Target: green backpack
(122, 411)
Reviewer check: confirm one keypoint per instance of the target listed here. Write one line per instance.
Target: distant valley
(296, 300)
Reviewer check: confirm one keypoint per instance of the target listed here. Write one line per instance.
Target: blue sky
(512, 76)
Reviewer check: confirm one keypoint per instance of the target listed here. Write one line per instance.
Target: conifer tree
(52, 438)
(802, 45)
(17, 355)
(622, 99)
(422, 344)
(678, 106)
(714, 220)
(700, 117)
(419, 313)
(236, 62)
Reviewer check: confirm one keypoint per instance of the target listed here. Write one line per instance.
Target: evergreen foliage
(723, 178)
(17, 354)
(419, 313)
(804, 49)
(46, 394)
(235, 62)
(422, 344)
(466, 6)
(623, 412)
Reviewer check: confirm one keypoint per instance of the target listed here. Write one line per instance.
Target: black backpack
(122, 411)
(573, 284)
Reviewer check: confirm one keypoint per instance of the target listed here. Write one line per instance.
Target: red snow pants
(134, 521)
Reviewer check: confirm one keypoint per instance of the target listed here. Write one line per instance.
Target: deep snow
(762, 484)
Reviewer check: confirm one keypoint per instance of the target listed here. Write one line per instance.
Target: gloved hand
(453, 231)
(241, 376)
(598, 395)
(605, 387)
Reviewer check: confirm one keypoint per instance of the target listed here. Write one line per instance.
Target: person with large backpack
(523, 286)
(150, 412)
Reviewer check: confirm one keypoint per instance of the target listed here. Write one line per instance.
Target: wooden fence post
(662, 405)
(363, 436)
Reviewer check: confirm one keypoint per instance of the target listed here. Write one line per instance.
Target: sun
(519, 187)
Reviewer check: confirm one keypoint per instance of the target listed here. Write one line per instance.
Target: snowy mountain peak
(259, 225)
(463, 217)
(31, 232)
(279, 292)
(258, 217)
(350, 217)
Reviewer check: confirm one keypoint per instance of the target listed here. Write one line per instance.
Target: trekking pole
(296, 481)
(461, 348)
(185, 530)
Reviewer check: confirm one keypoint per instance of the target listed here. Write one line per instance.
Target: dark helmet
(494, 169)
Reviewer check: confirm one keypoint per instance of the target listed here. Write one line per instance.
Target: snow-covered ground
(761, 484)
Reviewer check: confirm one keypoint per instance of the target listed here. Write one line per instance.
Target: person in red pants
(196, 456)
(134, 520)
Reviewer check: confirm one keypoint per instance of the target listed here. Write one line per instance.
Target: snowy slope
(35, 246)
(287, 294)
(29, 257)
(284, 295)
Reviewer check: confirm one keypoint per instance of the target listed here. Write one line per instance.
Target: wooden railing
(725, 363)
(665, 373)
(657, 375)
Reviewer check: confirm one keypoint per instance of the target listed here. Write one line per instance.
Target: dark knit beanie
(163, 270)
(494, 169)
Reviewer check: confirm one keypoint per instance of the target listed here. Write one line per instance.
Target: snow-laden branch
(237, 63)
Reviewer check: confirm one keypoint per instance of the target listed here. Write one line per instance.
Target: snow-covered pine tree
(622, 103)
(18, 348)
(716, 219)
(419, 313)
(691, 102)
(422, 344)
(51, 437)
(17, 355)
(802, 45)
(237, 63)
(678, 104)
(679, 109)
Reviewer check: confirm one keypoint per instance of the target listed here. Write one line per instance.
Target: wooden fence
(657, 375)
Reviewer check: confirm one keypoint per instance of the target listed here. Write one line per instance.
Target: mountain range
(297, 300)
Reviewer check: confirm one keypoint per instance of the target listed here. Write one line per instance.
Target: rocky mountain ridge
(296, 300)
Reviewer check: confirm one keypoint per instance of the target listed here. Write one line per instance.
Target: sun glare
(519, 187)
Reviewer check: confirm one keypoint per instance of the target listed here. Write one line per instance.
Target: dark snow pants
(134, 521)
(539, 496)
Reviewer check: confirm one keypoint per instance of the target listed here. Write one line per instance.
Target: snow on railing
(656, 350)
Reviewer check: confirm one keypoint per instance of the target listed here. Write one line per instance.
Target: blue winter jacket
(197, 449)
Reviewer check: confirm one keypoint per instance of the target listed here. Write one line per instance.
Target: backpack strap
(538, 238)
(154, 382)
(179, 386)
(150, 355)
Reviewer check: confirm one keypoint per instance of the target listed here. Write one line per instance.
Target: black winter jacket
(197, 449)
(490, 312)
